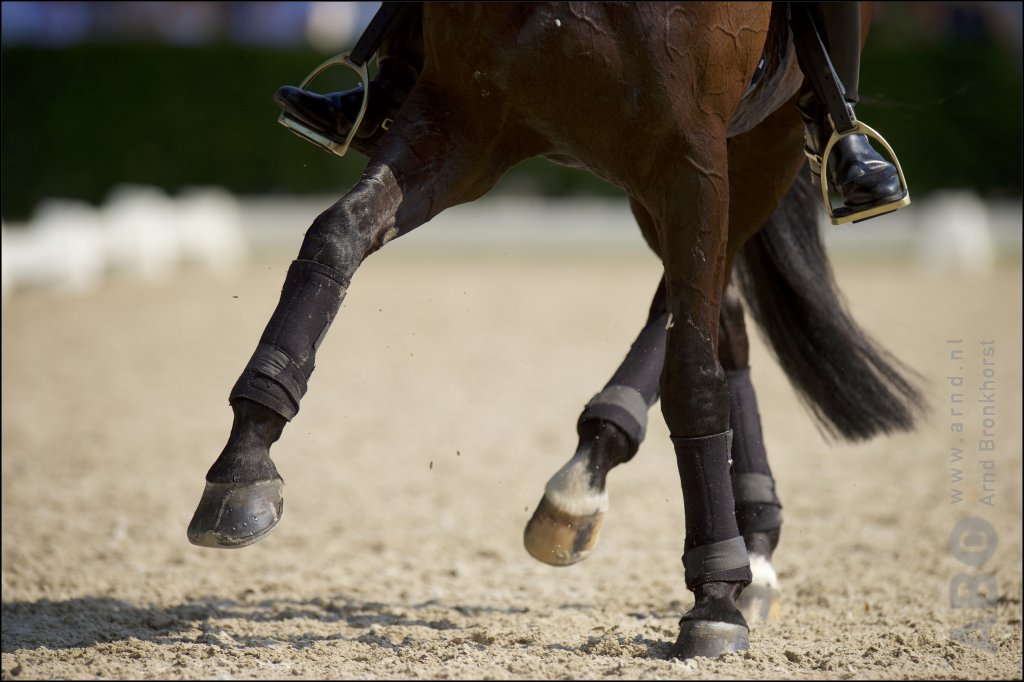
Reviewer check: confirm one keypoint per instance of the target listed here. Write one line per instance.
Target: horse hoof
(761, 600)
(709, 638)
(558, 538)
(234, 515)
(759, 604)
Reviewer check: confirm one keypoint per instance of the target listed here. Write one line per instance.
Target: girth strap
(379, 28)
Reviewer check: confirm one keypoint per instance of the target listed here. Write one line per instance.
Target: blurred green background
(941, 81)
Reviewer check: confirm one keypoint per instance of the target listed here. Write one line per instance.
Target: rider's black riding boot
(856, 171)
(334, 114)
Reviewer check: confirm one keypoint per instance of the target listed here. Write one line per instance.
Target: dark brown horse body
(656, 99)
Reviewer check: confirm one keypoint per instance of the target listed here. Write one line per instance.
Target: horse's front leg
(692, 218)
(427, 162)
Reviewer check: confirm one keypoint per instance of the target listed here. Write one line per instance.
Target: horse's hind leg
(425, 164)
(564, 529)
(758, 510)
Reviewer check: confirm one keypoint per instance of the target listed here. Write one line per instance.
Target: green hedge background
(76, 122)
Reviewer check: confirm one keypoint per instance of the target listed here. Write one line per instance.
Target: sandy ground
(445, 396)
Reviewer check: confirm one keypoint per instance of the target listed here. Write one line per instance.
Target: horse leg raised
(429, 161)
(565, 526)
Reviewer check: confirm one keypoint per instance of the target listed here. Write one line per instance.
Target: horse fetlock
(233, 515)
(246, 456)
(763, 542)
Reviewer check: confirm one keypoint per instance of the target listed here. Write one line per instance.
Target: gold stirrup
(316, 137)
(846, 215)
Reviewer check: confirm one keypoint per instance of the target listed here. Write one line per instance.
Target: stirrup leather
(316, 137)
(843, 214)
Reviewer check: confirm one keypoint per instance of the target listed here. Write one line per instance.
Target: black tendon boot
(868, 184)
(332, 115)
(243, 499)
(715, 558)
(758, 510)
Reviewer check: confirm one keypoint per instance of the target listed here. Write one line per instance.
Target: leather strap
(822, 75)
(378, 29)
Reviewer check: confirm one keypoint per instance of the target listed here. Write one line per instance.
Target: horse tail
(854, 388)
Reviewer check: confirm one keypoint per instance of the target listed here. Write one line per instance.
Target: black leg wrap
(621, 405)
(634, 387)
(642, 366)
(757, 506)
(748, 454)
(719, 562)
(714, 550)
(278, 372)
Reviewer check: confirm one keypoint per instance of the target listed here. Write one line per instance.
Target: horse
(657, 99)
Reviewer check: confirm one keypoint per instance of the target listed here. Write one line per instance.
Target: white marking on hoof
(569, 490)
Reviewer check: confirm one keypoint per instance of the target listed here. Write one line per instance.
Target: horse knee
(695, 398)
(332, 241)
(350, 230)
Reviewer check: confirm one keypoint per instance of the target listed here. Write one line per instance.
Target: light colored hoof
(231, 515)
(710, 639)
(558, 538)
(759, 604)
(761, 600)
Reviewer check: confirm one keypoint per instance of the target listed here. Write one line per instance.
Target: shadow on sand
(86, 621)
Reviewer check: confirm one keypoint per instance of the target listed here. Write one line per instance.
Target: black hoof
(234, 515)
(709, 638)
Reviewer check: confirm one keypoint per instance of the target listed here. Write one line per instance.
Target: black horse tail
(854, 388)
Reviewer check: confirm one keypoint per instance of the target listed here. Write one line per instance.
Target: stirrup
(315, 136)
(843, 214)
